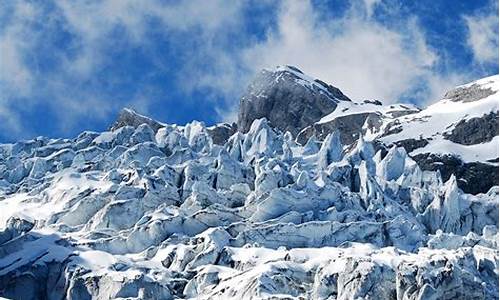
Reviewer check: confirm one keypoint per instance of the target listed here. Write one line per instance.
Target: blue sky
(69, 66)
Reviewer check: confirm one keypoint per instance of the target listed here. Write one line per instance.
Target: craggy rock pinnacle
(128, 117)
(289, 99)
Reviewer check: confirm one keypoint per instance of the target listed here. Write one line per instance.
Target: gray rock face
(355, 119)
(220, 133)
(412, 144)
(350, 127)
(288, 99)
(473, 178)
(475, 130)
(129, 117)
(469, 93)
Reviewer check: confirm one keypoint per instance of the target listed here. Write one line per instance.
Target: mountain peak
(475, 90)
(129, 117)
(285, 68)
(288, 98)
(308, 81)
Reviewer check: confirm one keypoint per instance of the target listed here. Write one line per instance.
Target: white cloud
(94, 22)
(12, 122)
(482, 36)
(362, 57)
(434, 86)
(370, 6)
(92, 26)
(15, 76)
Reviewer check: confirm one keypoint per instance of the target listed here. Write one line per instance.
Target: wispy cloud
(370, 6)
(365, 58)
(15, 76)
(83, 60)
(482, 35)
(90, 31)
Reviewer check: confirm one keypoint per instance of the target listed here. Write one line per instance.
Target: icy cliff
(149, 210)
(131, 213)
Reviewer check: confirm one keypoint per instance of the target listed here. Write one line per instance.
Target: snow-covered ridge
(129, 117)
(438, 120)
(490, 82)
(457, 135)
(351, 108)
(139, 213)
(303, 79)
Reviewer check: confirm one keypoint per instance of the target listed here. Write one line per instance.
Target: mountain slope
(466, 116)
(149, 210)
(457, 135)
(352, 119)
(135, 214)
(288, 98)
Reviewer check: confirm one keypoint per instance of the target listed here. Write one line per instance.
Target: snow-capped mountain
(288, 98)
(457, 135)
(149, 210)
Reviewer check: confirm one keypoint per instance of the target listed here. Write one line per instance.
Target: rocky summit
(457, 135)
(310, 195)
(288, 98)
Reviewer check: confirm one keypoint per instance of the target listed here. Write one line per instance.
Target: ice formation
(155, 211)
(131, 213)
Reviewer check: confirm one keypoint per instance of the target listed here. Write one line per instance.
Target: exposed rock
(350, 127)
(129, 117)
(288, 99)
(412, 144)
(472, 177)
(469, 93)
(220, 133)
(475, 130)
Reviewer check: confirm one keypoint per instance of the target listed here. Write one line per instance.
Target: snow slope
(457, 135)
(437, 120)
(352, 108)
(302, 79)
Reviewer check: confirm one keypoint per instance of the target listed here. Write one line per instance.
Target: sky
(68, 66)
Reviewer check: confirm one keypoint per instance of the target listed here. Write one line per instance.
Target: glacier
(131, 213)
(149, 210)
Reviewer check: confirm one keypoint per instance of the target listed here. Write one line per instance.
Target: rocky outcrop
(128, 117)
(412, 144)
(475, 131)
(352, 119)
(289, 99)
(473, 178)
(469, 93)
(220, 133)
(350, 127)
